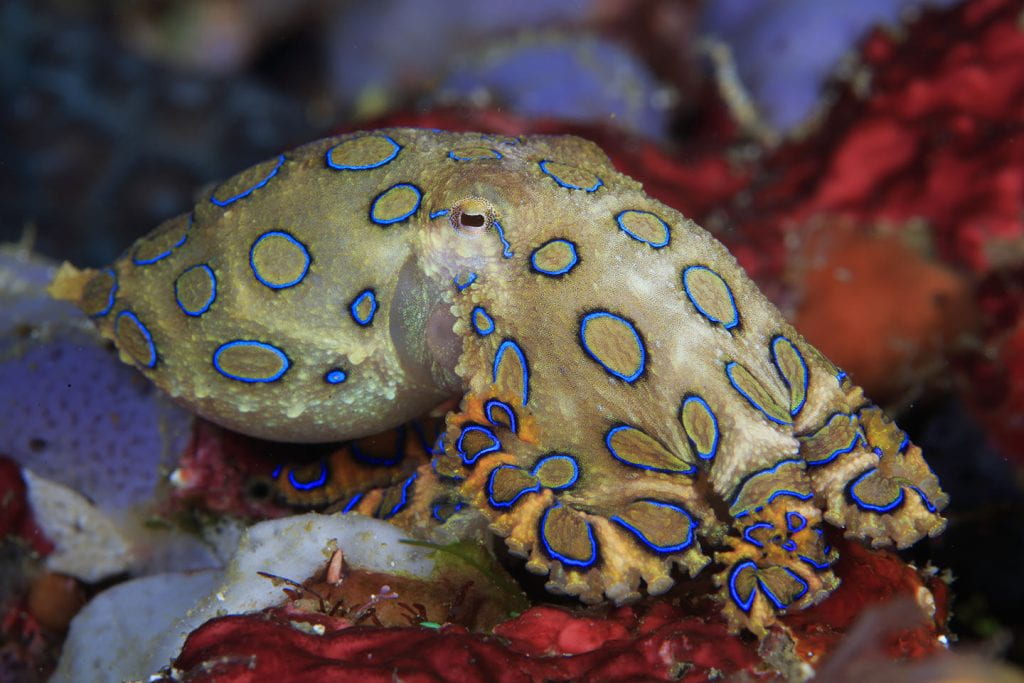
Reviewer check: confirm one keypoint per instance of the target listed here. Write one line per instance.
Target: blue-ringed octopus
(624, 399)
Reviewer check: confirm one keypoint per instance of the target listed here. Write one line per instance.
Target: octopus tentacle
(777, 560)
(356, 466)
(593, 551)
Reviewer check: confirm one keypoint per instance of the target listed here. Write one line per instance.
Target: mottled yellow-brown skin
(627, 392)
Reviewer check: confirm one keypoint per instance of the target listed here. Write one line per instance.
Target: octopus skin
(626, 402)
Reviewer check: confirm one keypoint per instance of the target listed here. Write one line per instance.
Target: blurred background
(864, 159)
(116, 112)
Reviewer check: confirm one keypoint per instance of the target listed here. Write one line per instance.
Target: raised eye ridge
(472, 215)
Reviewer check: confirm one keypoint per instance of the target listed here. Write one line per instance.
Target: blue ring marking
(503, 139)
(439, 213)
(924, 500)
(636, 337)
(459, 286)
(864, 505)
(285, 363)
(300, 245)
(161, 256)
(145, 335)
(470, 458)
(309, 485)
(490, 489)
(487, 327)
(213, 291)
(789, 545)
(506, 250)
(438, 447)
(801, 582)
(797, 525)
(559, 456)
(277, 472)
(435, 511)
(493, 403)
(364, 167)
(407, 214)
(638, 238)
(110, 295)
(820, 566)
(771, 596)
(500, 354)
(245, 193)
(455, 157)
(786, 492)
(750, 399)
(821, 535)
(877, 451)
(839, 451)
(404, 500)
(555, 273)
(807, 373)
(335, 376)
(351, 503)
(728, 290)
(768, 594)
(714, 421)
(654, 546)
(744, 605)
(353, 308)
(608, 444)
(840, 376)
(544, 169)
(753, 527)
(904, 444)
(770, 470)
(558, 556)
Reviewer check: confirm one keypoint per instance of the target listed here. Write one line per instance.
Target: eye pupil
(472, 220)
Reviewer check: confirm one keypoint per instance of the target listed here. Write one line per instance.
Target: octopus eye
(472, 220)
(472, 215)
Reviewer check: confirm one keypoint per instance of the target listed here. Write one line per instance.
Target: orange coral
(879, 308)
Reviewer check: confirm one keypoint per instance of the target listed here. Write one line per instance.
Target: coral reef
(669, 639)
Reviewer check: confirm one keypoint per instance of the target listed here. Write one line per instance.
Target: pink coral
(937, 137)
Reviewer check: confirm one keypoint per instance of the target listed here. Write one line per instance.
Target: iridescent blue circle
(335, 376)
(245, 193)
(285, 362)
(364, 167)
(195, 313)
(483, 323)
(544, 169)
(353, 307)
(146, 335)
(399, 218)
(300, 245)
(641, 366)
(657, 244)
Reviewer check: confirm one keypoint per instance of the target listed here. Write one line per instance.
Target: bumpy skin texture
(630, 400)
